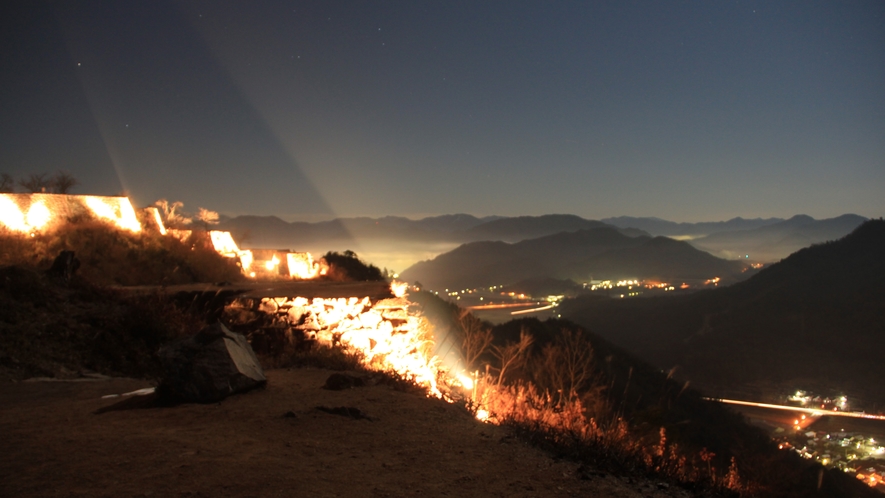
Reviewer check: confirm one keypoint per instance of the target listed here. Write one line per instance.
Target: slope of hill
(600, 253)
(815, 321)
(648, 399)
(776, 241)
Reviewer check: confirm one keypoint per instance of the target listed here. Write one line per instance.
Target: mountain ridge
(790, 326)
(602, 252)
(777, 241)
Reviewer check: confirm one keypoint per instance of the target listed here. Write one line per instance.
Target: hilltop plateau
(626, 426)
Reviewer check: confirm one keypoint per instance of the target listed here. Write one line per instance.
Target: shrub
(347, 266)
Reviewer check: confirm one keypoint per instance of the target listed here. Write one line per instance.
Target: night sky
(688, 111)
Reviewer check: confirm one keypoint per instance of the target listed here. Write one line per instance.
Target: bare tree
(207, 217)
(513, 355)
(36, 182)
(7, 183)
(476, 338)
(62, 182)
(170, 217)
(566, 366)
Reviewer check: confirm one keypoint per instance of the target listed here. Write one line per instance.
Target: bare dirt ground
(273, 442)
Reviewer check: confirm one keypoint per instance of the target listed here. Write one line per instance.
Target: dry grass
(110, 256)
(56, 330)
(564, 428)
(558, 402)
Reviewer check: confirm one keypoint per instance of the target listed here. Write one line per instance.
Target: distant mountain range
(765, 240)
(272, 232)
(398, 242)
(600, 253)
(816, 321)
(778, 240)
(657, 226)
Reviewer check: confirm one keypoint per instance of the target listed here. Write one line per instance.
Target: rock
(345, 411)
(64, 266)
(340, 382)
(209, 366)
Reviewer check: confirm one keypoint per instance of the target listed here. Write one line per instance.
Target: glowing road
(816, 412)
(533, 310)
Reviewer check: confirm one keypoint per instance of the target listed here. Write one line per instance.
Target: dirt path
(53, 444)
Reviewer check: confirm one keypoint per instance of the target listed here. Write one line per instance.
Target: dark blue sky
(684, 110)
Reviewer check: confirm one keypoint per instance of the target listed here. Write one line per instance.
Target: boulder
(64, 266)
(342, 381)
(209, 366)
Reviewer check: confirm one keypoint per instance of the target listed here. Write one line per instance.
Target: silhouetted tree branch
(36, 183)
(62, 182)
(7, 183)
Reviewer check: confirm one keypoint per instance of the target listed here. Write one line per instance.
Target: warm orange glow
(155, 215)
(302, 265)
(246, 261)
(391, 337)
(11, 215)
(117, 210)
(273, 263)
(533, 310)
(498, 306)
(465, 380)
(38, 215)
(224, 244)
(31, 212)
(399, 288)
(522, 403)
(871, 480)
(388, 335)
(181, 235)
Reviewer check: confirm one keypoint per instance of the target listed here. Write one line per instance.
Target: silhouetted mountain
(454, 222)
(657, 226)
(529, 227)
(599, 252)
(816, 320)
(776, 241)
(662, 259)
(270, 231)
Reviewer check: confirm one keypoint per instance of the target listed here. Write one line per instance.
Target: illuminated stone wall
(29, 213)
